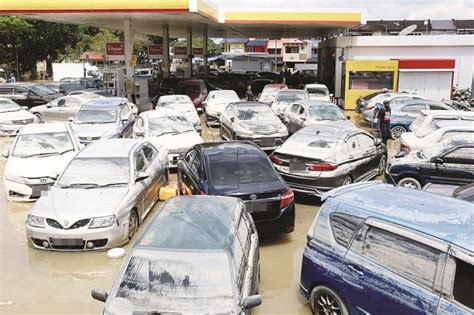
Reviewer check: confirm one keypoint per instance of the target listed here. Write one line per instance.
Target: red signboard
(181, 52)
(155, 51)
(115, 51)
(426, 64)
(198, 52)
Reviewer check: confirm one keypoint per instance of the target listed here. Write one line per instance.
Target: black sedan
(242, 170)
(448, 162)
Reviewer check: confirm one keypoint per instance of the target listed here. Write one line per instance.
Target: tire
(326, 301)
(409, 182)
(40, 117)
(347, 181)
(132, 224)
(382, 165)
(396, 132)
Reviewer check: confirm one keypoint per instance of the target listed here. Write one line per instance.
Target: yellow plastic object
(168, 191)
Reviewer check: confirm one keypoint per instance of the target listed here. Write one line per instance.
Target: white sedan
(169, 129)
(184, 104)
(318, 92)
(39, 154)
(13, 117)
(215, 104)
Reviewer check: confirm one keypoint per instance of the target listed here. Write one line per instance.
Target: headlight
(14, 178)
(242, 130)
(35, 221)
(102, 222)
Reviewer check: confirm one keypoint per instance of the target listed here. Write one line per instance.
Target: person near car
(249, 94)
(12, 78)
(383, 120)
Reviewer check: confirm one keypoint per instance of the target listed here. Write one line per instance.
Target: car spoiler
(344, 189)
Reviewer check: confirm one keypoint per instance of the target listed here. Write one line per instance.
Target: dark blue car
(379, 249)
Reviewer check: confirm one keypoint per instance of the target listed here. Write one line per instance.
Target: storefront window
(370, 80)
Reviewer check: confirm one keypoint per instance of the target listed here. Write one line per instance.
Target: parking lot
(36, 281)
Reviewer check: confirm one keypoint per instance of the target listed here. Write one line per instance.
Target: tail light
(404, 147)
(322, 167)
(276, 160)
(287, 198)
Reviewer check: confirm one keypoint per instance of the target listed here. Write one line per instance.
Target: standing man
(383, 119)
(12, 78)
(249, 94)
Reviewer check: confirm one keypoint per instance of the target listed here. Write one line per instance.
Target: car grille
(23, 121)
(55, 224)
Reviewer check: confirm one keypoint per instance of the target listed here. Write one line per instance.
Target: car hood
(183, 140)
(410, 139)
(218, 106)
(34, 167)
(267, 126)
(342, 122)
(93, 130)
(408, 159)
(17, 115)
(73, 205)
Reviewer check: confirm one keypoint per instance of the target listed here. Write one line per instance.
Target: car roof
(316, 102)
(315, 85)
(44, 128)
(446, 113)
(335, 131)
(109, 148)
(194, 223)
(105, 102)
(24, 84)
(290, 91)
(445, 218)
(234, 146)
(161, 111)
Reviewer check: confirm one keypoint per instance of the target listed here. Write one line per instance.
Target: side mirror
(70, 119)
(437, 160)
(303, 118)
(25, 108)
(141, 176)
(252, 301)
(181, 155)
(232, 119)
(49, 105)
(61, 103)
(99, 295)
(348, 117)
(6, 154)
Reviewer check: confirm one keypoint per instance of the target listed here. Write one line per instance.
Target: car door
(387, 273)
(226, 121)
(187, 174)
(143, 198)
(68, 109)
(454, 167)
(369, 152)
(20, 95)
(357, 162)
(156, 171)
(126, 121)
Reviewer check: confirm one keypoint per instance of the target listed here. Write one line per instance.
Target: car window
(353, 145)
(365, 141)
(196, 166)
(455, 133)
(189, 157)
(460, 156)
(140, 164)
(344, 227)
(21, 91)
(414, 108)
(410, 259)
(464, 283)
(150, 153)
(5, 91)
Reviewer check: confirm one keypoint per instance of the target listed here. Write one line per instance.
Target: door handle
(355, 269)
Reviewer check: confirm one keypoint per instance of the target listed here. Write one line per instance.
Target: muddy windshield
(291, 97)
(318, 91)
(165, 282)
(95, 116)
(326, 112)
(257, 113)
(169, 125)
(42, 144)
(8, 106)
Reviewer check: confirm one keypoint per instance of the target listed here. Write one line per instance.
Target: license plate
(267, 142)
(66, 241)
(37, 189)
(256, 207)
(297, 166)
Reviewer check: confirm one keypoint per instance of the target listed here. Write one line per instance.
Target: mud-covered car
(199, 255)
(13, 117)
(100, 199)
(286, 97)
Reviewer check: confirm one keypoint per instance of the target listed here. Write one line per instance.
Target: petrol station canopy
(281, 19)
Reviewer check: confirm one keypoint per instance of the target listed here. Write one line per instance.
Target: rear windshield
(318, 91)
(240, 168)
(291, 97)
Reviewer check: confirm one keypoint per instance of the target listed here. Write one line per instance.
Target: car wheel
(397, 131)
(132, 224)
(326, 301)
(347, 180)
(40, 117)
(409, 182)
(382, 164)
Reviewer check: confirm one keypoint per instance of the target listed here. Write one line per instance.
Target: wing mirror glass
(232, 119)
(141, 176)
(252, 301)
(6, 154)
(61, 103)
(99, 295)
(70, 119)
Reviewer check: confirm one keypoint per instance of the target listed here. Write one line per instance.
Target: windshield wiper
(40, 154)
(112, 184)
(66, 151)
(88, 185)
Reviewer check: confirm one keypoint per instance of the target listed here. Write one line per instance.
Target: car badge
(43, 180)
(66, 223)
(89, 138)
(253, 197)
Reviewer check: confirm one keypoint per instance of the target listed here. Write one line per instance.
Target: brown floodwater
(41, 282)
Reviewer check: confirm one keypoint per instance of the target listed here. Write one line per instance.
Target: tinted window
(344, 227)
(460, 156)
(5, 91)
(464, 283)
(149, 152)
(410, 259)
(139, 162)
(365, 141)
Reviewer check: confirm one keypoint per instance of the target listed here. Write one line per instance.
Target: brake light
(322, 167)
(276, 160)
(287, 198)
(404, 147)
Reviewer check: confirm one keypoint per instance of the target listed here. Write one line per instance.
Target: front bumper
(22, 192)
(284, 223)
(304, 291)
(315, 186)
(102, 238)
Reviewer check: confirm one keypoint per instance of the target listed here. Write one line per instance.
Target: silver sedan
(101, 197)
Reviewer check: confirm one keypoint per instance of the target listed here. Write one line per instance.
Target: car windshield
(42, 144)
(172, 99)
(96, 116)
(42, 90)
(269, 94)
(318, 91)
(291, 97)
(227, 95)
(169, 125)
(325, 112)
(256, 113)
(8, 106)
(164, 282)
(230, 169)
(434, 150)
(95, 172)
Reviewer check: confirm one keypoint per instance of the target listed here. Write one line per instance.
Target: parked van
(199, 255)
(375, 248)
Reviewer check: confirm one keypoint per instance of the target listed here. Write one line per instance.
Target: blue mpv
(375, 248)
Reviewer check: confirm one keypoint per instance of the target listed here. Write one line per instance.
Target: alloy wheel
(326, 304)
(40, 117)
(409, 182)
(132, 224)
(397, 131)
(347, 181)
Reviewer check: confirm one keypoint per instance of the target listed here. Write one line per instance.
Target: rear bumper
(278, 141)
(284, 223)
(312, 186)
